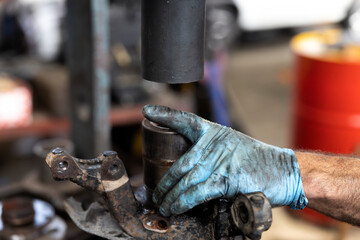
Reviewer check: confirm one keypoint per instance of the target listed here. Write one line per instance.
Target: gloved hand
(223, 163)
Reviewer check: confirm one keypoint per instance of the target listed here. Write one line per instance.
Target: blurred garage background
(257, 54)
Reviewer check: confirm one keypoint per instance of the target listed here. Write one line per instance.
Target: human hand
(223, 163)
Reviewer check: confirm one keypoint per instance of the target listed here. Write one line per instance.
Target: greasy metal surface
(173, 40)
(42, 148)
(98, 221)
(224, 227)
(88, 63)
(28, 219)
(95, 220)
(160, 149)
(33, 186)
(252, 214)
(144, 196)
(18, 211)
(107, 176)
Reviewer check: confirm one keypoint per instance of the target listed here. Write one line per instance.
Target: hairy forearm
(332, 185)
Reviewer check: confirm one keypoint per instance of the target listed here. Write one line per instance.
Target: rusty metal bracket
(107, 176)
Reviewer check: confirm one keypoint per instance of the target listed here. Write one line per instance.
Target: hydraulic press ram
(129, 213)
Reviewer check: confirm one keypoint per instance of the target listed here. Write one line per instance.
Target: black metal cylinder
(173, 36)
(161, 147)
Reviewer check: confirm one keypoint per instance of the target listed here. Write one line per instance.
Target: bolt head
(109, 154)
(57, 151)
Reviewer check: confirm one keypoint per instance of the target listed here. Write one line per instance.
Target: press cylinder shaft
(173, 36)
(161, 147)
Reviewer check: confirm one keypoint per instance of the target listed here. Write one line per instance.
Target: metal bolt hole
(243, 213)
(114, 168)
(63, 165)
(162, 224)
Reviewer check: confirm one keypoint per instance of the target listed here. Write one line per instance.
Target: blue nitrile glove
(223, 163)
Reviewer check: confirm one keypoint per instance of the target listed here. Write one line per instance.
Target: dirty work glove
(223, 163)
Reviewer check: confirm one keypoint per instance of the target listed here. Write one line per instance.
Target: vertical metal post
(88, 63)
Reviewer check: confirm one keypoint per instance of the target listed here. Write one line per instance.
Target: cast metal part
(127, 215)
(107, 176)
(28, 219)
(172, 38)
(96, 219)
(42, 148)
(224, 226)
(160, 149)
(252, 214)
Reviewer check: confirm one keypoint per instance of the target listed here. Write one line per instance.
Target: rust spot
(156, 223)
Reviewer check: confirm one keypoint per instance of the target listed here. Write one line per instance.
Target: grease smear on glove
(223, 163)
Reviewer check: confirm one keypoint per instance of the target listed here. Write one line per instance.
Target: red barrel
(327, 99)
